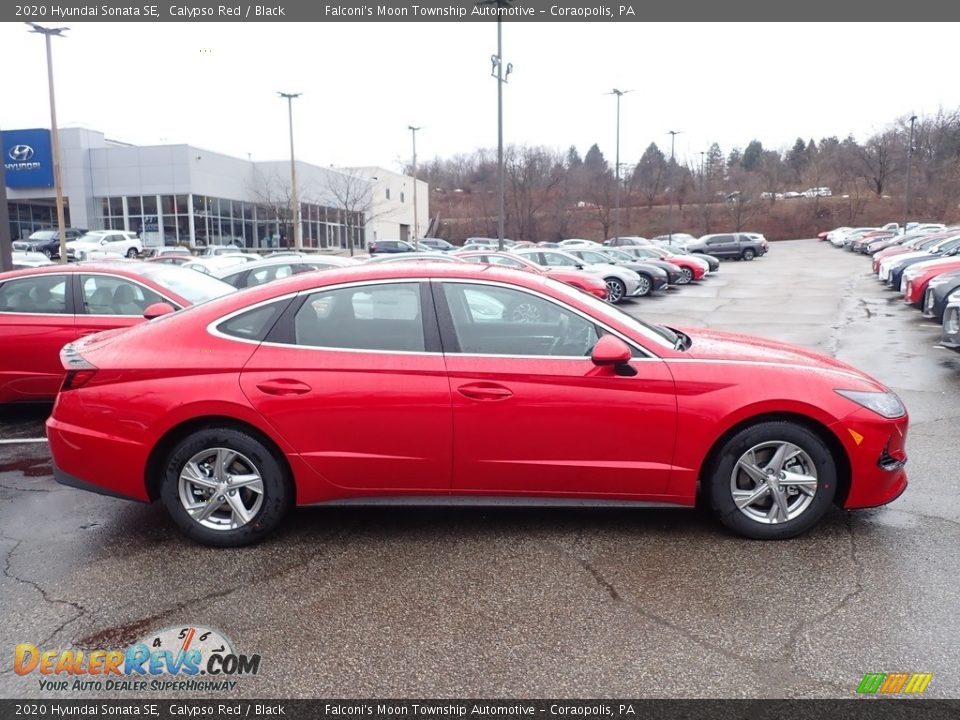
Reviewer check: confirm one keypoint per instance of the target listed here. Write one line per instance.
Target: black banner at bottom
(859, 709)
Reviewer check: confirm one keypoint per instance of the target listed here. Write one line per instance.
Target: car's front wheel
(772, 481)
(224, 487)
(132, 253)
(616, 290)
(686, 275)
(645, 285)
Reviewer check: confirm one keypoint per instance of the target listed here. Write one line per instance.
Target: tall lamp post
(616, 215)
(906, 201)
(702, 154)
(294, 204)
(6, 244)
(54, 134)
(501, 74)
(416, 217)
(673, 136)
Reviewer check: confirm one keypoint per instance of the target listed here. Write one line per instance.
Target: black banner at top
(484, 11)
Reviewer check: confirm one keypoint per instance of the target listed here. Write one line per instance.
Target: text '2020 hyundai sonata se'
(409, 383)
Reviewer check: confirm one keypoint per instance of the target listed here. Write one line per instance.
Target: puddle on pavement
(30, 467)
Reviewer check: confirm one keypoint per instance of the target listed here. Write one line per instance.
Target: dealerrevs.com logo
(192, 658)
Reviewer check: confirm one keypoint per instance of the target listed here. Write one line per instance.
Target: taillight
(80, 371)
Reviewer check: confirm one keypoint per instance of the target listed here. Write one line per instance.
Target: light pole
(497, 71)
(616, 215)
(702, 154)
(906, 201)
(294, 204)
(673, 136)
(416, 219)
(54, 135)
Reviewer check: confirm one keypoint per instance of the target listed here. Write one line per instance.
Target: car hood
(82, 244)
(736, 347)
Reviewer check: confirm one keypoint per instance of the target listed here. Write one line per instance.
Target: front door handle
(283, 386)
(485, 391)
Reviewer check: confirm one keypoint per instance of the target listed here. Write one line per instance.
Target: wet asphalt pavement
(540, 603)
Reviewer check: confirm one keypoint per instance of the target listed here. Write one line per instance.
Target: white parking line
(20, 441)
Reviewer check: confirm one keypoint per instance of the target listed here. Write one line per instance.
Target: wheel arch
(154, 466)
(832, 442)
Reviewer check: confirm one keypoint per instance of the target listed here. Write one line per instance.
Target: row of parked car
(920, 261)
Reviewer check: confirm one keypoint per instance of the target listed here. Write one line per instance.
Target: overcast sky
(214, 85)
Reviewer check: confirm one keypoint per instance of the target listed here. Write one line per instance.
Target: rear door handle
(283, 386)
(485, 391)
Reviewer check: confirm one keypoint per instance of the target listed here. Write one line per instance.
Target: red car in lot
(408, 384)
(916, 286)
(42, 309)
(577, 278)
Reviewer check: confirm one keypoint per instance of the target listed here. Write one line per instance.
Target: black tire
(48, 252)
(686, 276)
(616, 290)
(749, 254)
(277, 495)
(721, 480)
(646, 285)
(132, 253)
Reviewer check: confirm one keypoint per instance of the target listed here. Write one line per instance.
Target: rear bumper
(117, 462)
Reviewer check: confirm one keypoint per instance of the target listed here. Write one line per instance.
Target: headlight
(885, 404)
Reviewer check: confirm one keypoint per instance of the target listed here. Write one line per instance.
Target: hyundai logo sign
(21, 153)
(27, 158)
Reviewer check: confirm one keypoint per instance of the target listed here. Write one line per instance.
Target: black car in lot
(729, 245)
(47, 241)
(935, 298)
(379, 247)
(438, 244)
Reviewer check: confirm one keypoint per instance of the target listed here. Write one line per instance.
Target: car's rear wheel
(686, 275)
(132, 253)
(224, 487)
(616, 290)
(48, 252)
(645, 285)
(749, 254)
(772, 481)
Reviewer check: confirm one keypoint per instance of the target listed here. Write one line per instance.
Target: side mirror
(612, 351)
(103, 242)
(158, 309)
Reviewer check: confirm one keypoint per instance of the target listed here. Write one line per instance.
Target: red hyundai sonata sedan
(42, 309)
(409, 383)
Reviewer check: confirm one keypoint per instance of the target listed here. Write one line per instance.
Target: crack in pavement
(8, 573)
(783, 663)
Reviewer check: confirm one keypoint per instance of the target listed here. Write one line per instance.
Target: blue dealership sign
(27, 158)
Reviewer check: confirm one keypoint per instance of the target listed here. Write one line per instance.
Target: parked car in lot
(212, 264)
(267, 270)
(631, 240)
(950, 336)
(894, 268)
(167, 251)
(387, 384)
(438, 244)
(914, 245)
(937, 296)
(415, 257)
(42, 309)
(24, 259)
(652, 277)
(622, 283)
(683, 260)
(729, 245)
(379, 247)
(579, 242)
(628, 255)
(916, 277)
(47, 241)
(216, 250)
(104, 244)
(579, 279)
(676, 241)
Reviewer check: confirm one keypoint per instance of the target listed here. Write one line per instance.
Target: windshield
(619, 255)
(665, 337)
(193, 286)
(44, 235)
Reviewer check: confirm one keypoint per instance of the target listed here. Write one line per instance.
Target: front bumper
(876, 448)
(950, 336)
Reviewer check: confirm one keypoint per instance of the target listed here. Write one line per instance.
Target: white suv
(99, 244)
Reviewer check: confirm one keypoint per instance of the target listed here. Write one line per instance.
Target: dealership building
(180, 194)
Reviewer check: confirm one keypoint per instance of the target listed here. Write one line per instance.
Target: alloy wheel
(615, 290)
(644, 286)
(686, 275)
(221, 489)
(774, 482)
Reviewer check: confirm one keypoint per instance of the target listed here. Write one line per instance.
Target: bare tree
(877, 159)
